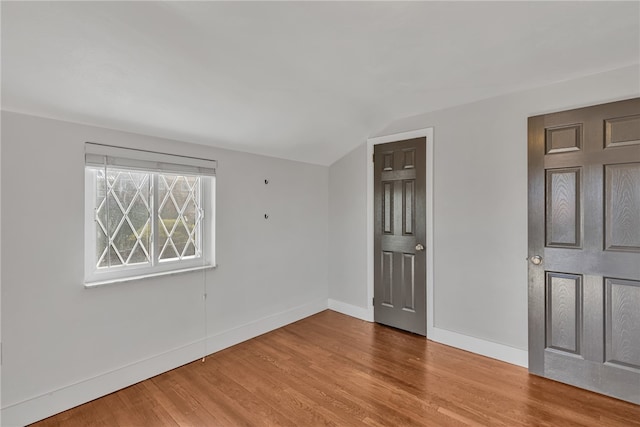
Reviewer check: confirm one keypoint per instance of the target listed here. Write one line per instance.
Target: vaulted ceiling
(306, 81)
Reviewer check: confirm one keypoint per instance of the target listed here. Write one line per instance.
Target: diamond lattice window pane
(125, 206)
(138, 255)
(125, 188)
(165, 182)
(123, 215)
(111, 259)
(169, 210)
(180, 236)
(139, 214)
(190, 214)
(165, 231)
(181, 190)
(189, 250)
(101, 244)
(124, 241)
(112, 214)
(179, 216)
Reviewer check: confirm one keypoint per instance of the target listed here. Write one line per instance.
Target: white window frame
(152, 163)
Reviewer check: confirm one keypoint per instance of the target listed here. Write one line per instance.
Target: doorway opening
(426, 135)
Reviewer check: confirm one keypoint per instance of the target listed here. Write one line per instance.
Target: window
(146, 214)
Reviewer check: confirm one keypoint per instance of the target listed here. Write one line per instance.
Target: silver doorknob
(536, 260)
(419, 247)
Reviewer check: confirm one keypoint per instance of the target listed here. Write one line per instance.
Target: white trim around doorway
(419, 133)
(465, 342)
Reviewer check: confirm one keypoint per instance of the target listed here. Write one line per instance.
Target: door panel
(563, 207)
(564, 138)
(400, 222)
(622, 131)
(408, 282)
(622, 207)
(622, 322)
(584, 223)
(564, 312)
(386, 276)
(408, 207)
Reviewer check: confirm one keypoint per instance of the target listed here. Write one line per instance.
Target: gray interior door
(584, 248)
(399, 240)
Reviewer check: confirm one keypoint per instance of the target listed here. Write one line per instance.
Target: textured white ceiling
(306, 81)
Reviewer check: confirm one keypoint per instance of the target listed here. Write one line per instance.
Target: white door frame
(419, 133)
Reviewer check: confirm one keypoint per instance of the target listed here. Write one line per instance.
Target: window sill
(89, 285)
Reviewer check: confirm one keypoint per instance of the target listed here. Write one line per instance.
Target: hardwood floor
(330, 369)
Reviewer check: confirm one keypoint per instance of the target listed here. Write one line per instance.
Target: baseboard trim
(56, 401)
(351, 310)
(72, 395)
(502, 352)
(266, 324)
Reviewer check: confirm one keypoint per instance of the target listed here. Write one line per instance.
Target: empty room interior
(320, 213)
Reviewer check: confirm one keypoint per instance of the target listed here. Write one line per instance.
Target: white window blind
(100, 155)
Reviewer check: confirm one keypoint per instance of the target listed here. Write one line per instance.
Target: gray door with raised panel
(399, 235)
(584, 248)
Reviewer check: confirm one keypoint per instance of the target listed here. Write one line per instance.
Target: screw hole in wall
(266, 216)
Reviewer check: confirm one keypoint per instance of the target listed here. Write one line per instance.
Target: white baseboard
(45, 405)
(266, 324)
(502, 352)
(351, 310)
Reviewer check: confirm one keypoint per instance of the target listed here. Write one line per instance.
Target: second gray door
(399, 236)
(584, 248)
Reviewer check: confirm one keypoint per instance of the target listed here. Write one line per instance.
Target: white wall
(480, 208)
(64, 344)
(347, 233)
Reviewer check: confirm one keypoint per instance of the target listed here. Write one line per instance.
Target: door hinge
(373, 158)
(373, 301)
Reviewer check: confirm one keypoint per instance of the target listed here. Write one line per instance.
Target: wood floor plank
(333, 370)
